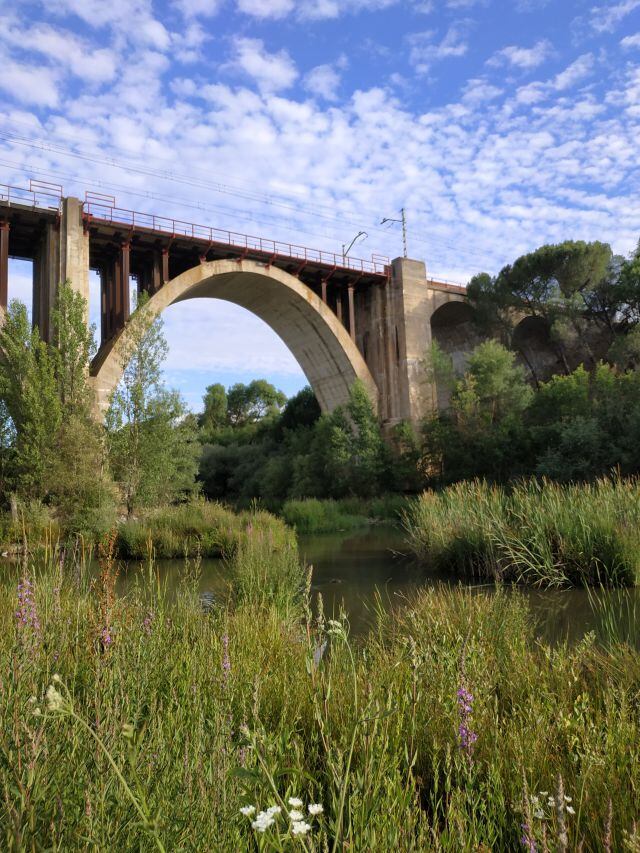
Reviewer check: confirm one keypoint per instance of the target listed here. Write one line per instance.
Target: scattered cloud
(630, 42)
(604, 19)
(324, 81)
(525, 58)
(426, 50)
(574, 73)
(272, 72)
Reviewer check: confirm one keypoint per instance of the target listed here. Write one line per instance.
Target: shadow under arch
(531, 339)
(453, 329)
(318, 341)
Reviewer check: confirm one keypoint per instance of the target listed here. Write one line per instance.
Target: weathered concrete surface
(322, 346)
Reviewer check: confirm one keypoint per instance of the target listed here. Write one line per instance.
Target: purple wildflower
(26, 614)
(147, 622)
(466, 735)
(527, 840)
(105, 638)
(226, 661)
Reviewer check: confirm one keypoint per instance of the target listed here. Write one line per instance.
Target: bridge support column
(4, 264)
(352, 314)
(46, 267)
(74, 248)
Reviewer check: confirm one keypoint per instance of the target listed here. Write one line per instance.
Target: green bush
(541, 533)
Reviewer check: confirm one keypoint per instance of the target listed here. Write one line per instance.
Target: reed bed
(312, 515)
(198, 528)
(128, 723)
(537, 532)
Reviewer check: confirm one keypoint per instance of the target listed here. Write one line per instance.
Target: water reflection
(352, 570)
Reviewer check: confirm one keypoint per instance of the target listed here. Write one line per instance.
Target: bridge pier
(4, 264)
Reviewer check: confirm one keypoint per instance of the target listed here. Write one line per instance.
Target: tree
(56, 449)
(215, 409)
(152, 446)
(248, 404)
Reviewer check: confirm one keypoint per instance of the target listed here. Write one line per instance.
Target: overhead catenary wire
(268, 201)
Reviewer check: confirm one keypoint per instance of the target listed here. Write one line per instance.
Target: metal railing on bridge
(41, 195)
(105, 210)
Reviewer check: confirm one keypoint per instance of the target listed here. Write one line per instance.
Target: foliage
(247, 404)
(198, 716)
(153, 446)
(195, 529)
(214, 415)
(55, 447)
(539, 533)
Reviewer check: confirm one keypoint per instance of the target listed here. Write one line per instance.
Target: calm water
(352, 569)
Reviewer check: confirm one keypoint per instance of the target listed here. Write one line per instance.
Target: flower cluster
(466, 735)
(26, 613)
(542, 807)
(298, 825)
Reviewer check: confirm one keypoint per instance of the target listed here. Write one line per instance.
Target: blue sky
(498, 125)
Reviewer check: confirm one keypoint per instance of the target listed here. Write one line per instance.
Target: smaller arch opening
(536, 351)
(453, 329)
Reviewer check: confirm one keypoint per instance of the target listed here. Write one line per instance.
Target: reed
(538, 532)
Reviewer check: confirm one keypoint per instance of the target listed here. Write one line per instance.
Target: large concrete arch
(320, 343)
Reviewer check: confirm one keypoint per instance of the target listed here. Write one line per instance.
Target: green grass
(540, 533)
(198, 528)
(171, 719)
(312, 515)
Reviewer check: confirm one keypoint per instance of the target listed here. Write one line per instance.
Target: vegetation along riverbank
(129, 723)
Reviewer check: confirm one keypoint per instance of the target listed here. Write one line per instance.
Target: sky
(499, 125)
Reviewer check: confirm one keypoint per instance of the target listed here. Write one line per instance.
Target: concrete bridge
(342, 318)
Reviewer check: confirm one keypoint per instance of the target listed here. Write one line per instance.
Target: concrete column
(324, 290)
(4, 264)
(74, 248)
(352, 314)
(339, 304)
(165, 265)
(46, 269)
(413, 309)
(125, 268)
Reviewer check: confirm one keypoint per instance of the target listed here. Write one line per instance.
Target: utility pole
(403, 222)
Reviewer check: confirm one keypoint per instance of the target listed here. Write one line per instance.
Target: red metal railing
(39, 195)
(47, 196)
(221, 237)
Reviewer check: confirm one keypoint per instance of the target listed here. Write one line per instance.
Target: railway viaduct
(341, 317)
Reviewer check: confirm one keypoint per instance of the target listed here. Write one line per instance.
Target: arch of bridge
(318, 341)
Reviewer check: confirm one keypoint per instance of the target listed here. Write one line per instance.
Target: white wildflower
(539, 814)
(57, 678)
(296, 816)
(567, 799)
(55, 702)
(262, 822)
(315, 808)
(247, 811)
(300, 828)
(36, 712)
(544, 793)
(296, 802)
(273, 810)
(571, 810)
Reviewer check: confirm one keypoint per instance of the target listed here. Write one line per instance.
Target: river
(354, 570)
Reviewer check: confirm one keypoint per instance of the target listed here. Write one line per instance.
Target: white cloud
(522, 57)
(29, 84)
(425, 51)
(606, 18)
(574, 73)
(132, 19)
(324, 81)
(630, 42)
(198, 8)
(478, 90)
(266, 8)
(272, 72)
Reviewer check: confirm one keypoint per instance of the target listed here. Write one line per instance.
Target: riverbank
(437, 731)
(536, 533)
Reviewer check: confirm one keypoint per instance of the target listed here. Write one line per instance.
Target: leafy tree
(248, 404)
(215, 409)
(152, 446)
(28, 389)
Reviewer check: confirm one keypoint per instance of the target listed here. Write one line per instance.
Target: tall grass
(312, 515)
(197, 528)
(165, 721)
(541, 533)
